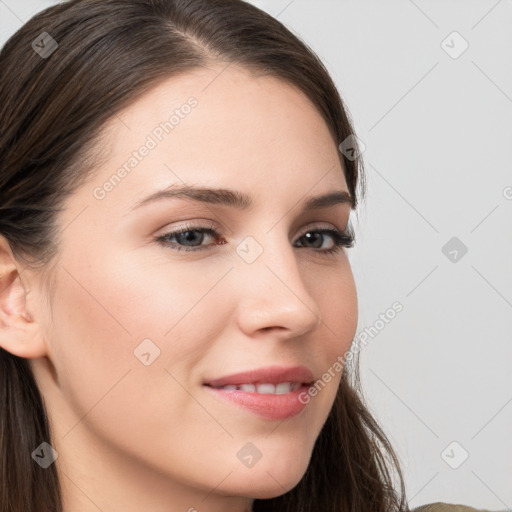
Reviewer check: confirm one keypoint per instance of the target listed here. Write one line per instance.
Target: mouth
(270, 402)
(264, 388)
(272, 392)
(265, 379)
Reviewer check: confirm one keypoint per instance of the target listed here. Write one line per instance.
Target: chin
(265, 482)
(272, 489)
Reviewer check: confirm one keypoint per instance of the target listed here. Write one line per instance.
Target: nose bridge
(272, 292)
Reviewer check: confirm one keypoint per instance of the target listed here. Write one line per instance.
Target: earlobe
(20, 333)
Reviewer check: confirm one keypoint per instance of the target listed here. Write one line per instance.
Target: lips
(270, 374)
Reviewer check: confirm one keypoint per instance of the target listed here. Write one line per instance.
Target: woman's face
(135, 327)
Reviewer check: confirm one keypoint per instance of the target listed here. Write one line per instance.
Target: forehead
(220, 126)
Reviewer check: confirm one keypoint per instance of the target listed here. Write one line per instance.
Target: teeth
(282, 387)
(279, 389)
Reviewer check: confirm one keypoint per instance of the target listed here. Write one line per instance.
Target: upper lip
(268, 374)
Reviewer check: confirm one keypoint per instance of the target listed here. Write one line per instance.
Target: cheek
(338, 303)
(92, 334)
(339, 306)
(97, 327)
(117, 316)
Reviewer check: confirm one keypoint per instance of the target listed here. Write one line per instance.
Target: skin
(133, 437)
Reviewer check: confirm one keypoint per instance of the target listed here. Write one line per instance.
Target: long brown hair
(55, 96)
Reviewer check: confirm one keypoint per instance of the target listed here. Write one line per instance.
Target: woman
(177, 302)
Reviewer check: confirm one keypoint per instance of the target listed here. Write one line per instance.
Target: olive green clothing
(448, 507)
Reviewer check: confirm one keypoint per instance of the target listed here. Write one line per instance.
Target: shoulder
(447, 507)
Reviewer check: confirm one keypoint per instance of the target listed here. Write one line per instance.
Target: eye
(340, 238)
(188, 235)
(191, 237)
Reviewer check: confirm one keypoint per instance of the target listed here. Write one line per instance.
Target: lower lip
(267, 405)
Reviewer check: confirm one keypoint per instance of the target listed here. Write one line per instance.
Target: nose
(273, 295)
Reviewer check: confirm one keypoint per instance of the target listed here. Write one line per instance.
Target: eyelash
(341, 238)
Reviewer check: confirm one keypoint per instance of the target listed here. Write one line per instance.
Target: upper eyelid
(199, 227)
(202, 224)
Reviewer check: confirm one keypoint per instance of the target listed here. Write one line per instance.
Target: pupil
(309, 236)
(188, 237)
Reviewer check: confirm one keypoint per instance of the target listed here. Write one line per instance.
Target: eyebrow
(236, 199)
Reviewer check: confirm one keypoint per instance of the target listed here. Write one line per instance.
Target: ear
(20, 333)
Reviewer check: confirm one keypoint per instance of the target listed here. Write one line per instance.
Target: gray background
(437, 131)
